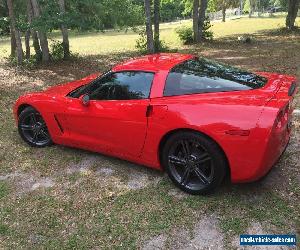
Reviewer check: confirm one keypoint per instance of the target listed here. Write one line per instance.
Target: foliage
(220, 4)
(99, 15)
(188, 7)
(207, 33)
(141, 43)
(186, 34)
(57, 51)
(171, 9)
(4, 26)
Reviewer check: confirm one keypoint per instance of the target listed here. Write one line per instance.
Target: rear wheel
(194, 163)
(33, 129)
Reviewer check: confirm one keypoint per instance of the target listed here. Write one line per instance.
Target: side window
(129, 85)
(203, 76)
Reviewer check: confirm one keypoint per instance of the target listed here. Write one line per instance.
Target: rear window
(205, 76)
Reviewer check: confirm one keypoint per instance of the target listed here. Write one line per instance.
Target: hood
(65, 88)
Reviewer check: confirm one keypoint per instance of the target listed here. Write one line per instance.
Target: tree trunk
(64, 30)
(13, 45)
(156, 25)
(35, 39)
(15, 32)
(223, 13)
(293, 6)
(149, 32)
(27, 43)
(202, 12)
(42, 34)
(196, 21)
(251, 8)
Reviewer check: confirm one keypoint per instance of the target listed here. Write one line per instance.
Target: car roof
(154, 62)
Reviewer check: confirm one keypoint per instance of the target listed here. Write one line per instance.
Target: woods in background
(35, 19)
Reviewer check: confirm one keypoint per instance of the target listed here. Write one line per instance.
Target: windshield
(76, 93)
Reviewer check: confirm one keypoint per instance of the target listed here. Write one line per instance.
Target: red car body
(250, 126)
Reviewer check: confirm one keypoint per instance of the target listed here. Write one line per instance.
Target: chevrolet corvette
(194, 118)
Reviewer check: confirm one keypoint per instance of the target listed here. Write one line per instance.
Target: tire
(33, 129)
(195, 163)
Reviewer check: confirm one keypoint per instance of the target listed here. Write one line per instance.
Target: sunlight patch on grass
(94, 43)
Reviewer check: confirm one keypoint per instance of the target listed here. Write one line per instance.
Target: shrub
(186, 34)
(141, 43)
(57, 51)
(207, 33)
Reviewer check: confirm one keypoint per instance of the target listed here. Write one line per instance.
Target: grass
(90, 208)
(4, 189)
(120, 41)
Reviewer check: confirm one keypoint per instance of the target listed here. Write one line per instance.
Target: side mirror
(85, 100)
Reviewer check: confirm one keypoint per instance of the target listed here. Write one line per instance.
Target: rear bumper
(275, 148)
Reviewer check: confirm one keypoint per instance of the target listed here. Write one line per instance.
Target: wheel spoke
(177, 160)
(201, 176)
(35, 137)
(26, 127)
(185, 148)
(43, 133)
(185, 177)
(203, 158)
(33, 119)
(43, 125)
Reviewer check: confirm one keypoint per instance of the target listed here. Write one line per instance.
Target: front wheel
(193, 162)
(33, 129)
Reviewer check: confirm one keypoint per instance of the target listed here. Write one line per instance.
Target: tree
(293, 6)
(13, 44)
(156, 25)
(251, 7)
(64, 30)
(202, 11)
(15, 33)
(41, 32)
(196, 20)
(33, 32)
(223, 5)
(149, 32)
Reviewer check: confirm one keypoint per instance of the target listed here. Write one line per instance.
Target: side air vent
(59, 125)
(292, 88)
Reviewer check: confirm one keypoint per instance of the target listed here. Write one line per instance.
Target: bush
(207, 33)
(186, 34)
(4, 26)
(57, 51)
(141, 43)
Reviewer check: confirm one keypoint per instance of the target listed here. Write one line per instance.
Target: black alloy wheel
(194, 162)
(33, 129)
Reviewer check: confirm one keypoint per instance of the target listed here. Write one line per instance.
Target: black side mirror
(85, 100)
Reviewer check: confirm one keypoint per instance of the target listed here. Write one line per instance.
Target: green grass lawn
(120, 41)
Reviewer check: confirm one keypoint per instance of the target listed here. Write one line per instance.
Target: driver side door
(115, 120)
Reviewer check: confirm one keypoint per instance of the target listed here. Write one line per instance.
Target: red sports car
(192, 117)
